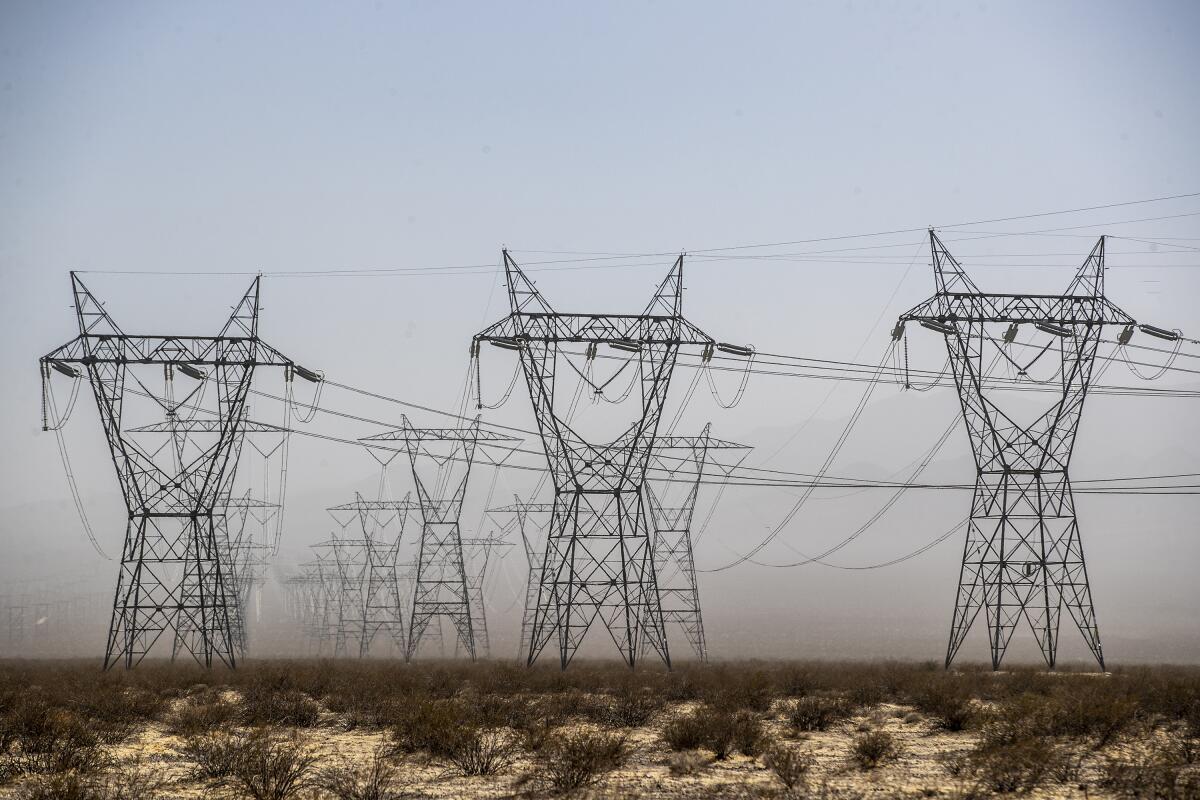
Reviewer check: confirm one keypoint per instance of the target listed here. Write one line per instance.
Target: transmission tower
(477, 555)
(380, 606)
(1023, 557)
(173, 576)
(673, 560)
(306, 601)
(341, 570)
(182, 436)
(598, 562)
(535, 516)
(441, 587)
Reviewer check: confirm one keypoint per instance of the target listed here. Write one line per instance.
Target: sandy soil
(919, 770)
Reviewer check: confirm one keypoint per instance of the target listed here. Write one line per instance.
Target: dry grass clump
(374, 780)
(64, 786)
(263, 705)
(789, 764)
(270, 768)
(873, 748)
(722, 732)
(213, 755)
(1164, 772)
(133, 782)
(432, 726)
(948, 701)
(40, 738)
(201, 713)
(457, 733)
(578, 759)
(481, 752)
(737, 689)
(1019, 766)
(259, 765)
(818, 713)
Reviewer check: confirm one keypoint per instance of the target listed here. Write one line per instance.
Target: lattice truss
(598, 563)
(246, 537)
(444, 588)
(680, 462)
(1023, 557)
(532, 520)
(177, 570)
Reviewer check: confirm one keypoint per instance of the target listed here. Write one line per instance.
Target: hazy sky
(213, 137)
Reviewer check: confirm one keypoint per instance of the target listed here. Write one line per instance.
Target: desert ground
(376, 729)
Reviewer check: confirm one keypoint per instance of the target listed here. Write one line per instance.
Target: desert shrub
(867, 695)
(579, 759)
(949, 703)
(267, 768)
(63, 786)
(113, 711)
(632, 707)
(200, 714)
(789, 764)
(284, 707)
(433, 726)
(481, 752)
(371, 781)
(720, 729)
(51, 740)
(873, 748)
(723, 732)
(1017, 766)
(1100, 716)
(134, 782)
(748, 736)
(733, 690)
(817, 713)
(686, 732)
(215, 755)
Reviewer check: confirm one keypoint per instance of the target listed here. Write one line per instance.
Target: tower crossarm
(1044, 308)
(523, 508)
(205, 426)
(377, 505)
(212, 351)
(594, 329)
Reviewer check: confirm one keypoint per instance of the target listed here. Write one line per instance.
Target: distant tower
(1023, 557)
(381, 608)
(441, 588)
(173, 576)
(680, 459)
(532, 519)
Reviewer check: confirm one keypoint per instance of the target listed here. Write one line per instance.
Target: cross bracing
(1023, 557)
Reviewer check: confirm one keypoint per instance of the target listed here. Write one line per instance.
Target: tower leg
(1023, 560)
(598, 564)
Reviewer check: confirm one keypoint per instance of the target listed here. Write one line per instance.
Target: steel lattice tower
(598, 562)
(242, 556)
(477, 554)
(1023, 557)
(381, 608)
(534, 553)
(441, 588)
(172, 575)
(674, 562)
